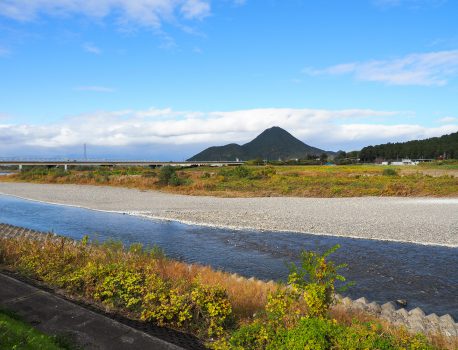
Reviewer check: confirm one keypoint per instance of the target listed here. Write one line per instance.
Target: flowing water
(426, 276)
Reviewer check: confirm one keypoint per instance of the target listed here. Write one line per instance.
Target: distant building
(405, 161)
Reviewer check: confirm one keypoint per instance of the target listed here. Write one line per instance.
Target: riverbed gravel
(418, 220)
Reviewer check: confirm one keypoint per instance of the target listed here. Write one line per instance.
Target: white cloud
(91, 48)
(164, 128)
(195, 9)
(448, 120)
(95, 88)
(424, 69)
(149, 13)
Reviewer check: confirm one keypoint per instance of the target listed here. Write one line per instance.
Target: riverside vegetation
(434, 179)
(224, 311)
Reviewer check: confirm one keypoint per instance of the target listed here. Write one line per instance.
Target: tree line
(433, 148)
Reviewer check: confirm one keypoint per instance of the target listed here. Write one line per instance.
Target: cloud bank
(423, 69)
(187, 132)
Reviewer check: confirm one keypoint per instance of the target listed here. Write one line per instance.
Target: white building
(405, 161)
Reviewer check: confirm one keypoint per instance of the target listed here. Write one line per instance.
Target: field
(436, 179)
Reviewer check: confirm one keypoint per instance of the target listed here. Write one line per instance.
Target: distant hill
(272, 144)
(428, 148)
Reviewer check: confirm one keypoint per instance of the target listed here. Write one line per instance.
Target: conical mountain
(272, 144)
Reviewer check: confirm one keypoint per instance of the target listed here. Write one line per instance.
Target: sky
(163, 79)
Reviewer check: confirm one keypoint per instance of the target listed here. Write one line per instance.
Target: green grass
(18, 335)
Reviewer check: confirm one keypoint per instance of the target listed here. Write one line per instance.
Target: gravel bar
(418, 220)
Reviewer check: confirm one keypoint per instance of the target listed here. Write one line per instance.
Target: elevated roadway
(111, 163)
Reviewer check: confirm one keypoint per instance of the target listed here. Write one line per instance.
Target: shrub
(315, 280)
(212, 308)
(389, 172)
(165, 174)
(307, 296)
(175, 180)
(309, 334)
(321, 334)
(264, 173)
(238, 172)
(252, 336)
(169, 176)
(120, 287)
(164, 304)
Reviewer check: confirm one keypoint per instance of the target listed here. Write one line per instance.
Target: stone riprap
(414, 320)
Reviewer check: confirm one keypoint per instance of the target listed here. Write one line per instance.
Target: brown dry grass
(260, 181)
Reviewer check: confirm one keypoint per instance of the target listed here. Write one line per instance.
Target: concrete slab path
(54, 315)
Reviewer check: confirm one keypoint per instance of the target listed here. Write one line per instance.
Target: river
(383, 271)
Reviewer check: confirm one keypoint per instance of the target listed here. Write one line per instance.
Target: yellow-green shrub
(120, 286)
(211, 308)
(164, 304)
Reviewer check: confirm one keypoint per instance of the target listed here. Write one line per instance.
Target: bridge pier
(65, 167)
(20, 167)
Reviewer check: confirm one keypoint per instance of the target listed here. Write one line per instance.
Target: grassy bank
(226, 311)
(259, 181)
(18, 335)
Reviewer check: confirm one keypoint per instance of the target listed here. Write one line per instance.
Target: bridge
(112, 163)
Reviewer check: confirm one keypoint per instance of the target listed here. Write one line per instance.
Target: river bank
(441, 330)
(429, 221)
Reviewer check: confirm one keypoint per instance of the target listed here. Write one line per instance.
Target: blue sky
(164, 78)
